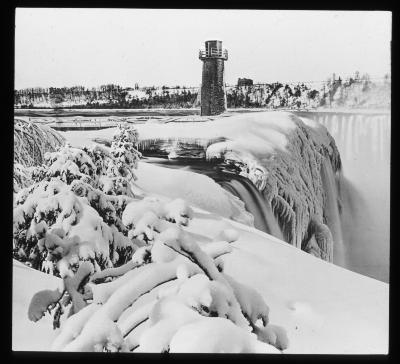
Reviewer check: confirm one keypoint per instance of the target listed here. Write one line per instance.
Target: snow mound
(194, 188)
(216, 336)
(243, 129)
(26, 334)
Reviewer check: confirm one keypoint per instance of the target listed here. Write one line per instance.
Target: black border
(8, 25)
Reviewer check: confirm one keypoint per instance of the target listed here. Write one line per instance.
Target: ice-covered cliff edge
(295, 165)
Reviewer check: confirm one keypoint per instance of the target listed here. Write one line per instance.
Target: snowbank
(28, 335)
(325, 309)
(195, 188)
(254, 133)
(80, 138)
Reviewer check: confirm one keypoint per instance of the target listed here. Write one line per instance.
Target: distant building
(245, 82)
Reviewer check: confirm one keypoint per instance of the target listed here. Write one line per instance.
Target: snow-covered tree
(31, 142)
(74, 208)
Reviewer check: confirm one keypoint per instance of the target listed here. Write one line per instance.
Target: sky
(93, 47)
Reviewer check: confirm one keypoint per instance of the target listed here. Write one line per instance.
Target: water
(332, 213)
(264, 218)
(65, 113)
(239, 186)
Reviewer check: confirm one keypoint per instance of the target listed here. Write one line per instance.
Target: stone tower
(212, 97)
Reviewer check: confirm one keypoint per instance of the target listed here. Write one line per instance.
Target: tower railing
(213, 53)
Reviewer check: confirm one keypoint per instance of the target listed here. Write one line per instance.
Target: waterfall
(355, 199)
(241, 187)
(366, 249)
(264, 218)
(332, 213)
(363, 141)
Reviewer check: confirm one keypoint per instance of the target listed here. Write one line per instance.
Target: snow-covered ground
(324, 308)
(28, 335)
(194, 188)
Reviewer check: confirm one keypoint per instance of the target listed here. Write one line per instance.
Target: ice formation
(283, 157)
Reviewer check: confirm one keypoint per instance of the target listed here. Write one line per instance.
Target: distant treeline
(357, 91)
(107, 96)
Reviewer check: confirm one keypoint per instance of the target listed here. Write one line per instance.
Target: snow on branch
(69, 212)
(197, 295)
(32, 141)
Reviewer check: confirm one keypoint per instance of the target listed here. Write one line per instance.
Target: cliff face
(300, 188)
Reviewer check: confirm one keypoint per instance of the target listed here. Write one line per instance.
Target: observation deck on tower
(213, 49)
